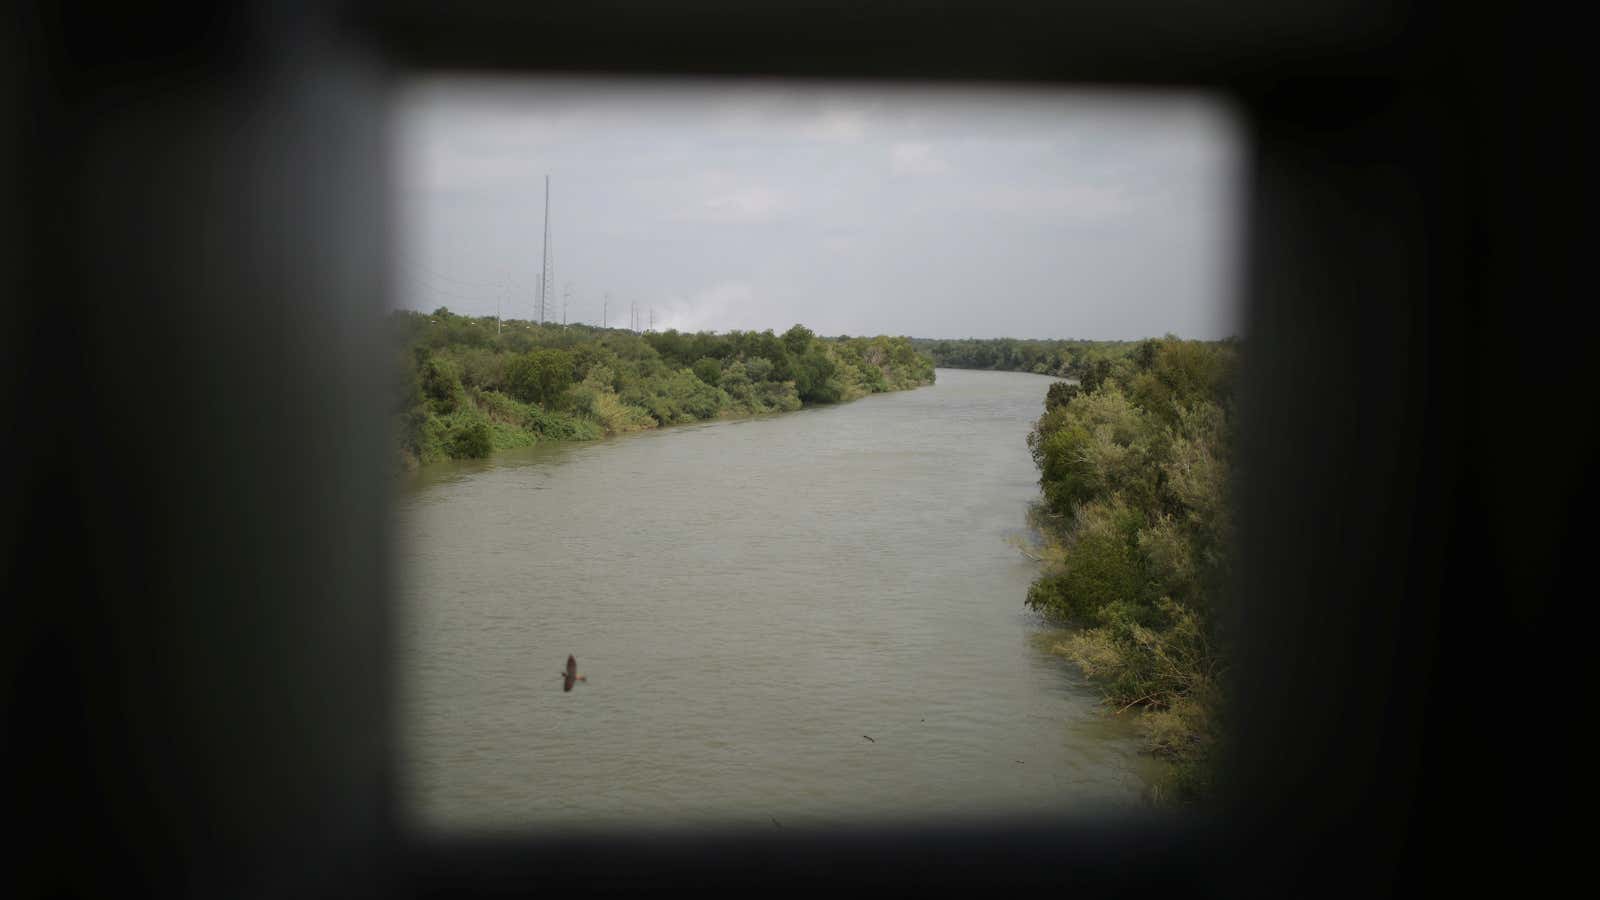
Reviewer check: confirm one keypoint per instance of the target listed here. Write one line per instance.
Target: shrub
(483, 369)
(1060, 394)
(541, 376)
(1101, 566)
(708, 370)
(694, 397)
(1093, 445)
(760, 369)
(559, 426)
(441, 384)
(472, 440)
(617, 417)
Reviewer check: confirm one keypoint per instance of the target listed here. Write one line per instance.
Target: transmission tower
(605, 308)
(566, 297)
(547, 280)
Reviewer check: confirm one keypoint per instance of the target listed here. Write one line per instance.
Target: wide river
(750, 602)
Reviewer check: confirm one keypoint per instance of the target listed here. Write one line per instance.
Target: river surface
(750, 602)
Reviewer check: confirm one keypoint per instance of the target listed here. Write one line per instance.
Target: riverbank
(476, 386)
(1133, 466)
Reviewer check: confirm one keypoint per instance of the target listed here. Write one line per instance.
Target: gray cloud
(906, 210)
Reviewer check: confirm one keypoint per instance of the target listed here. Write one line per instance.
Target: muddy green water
(748, 600)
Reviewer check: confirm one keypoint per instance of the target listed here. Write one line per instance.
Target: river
(751, 601)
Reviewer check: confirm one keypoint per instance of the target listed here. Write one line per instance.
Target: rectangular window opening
(865, 446)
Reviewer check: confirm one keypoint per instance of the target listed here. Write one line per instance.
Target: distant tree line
(1062, 358)
(471, 388)
(1134, 464)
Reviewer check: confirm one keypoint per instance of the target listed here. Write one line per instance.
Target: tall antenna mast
(564, 298)
(605, 308)
(546, 280)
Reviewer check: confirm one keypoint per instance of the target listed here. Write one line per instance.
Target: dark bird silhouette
(571, 674)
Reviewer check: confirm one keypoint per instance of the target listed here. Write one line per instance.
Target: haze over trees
(471, 388)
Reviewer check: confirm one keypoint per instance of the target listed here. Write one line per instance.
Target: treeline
(1063, 358)
(1134, 464)
(472, 388)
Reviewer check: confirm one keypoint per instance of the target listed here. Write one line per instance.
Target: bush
(441, 384)
(473, 440)
(541, 376)
(1092, 446)
(1101, 566)
(617, 417)
(501, 409)
(694, 397)
(708, 370)
(777, 396)
(558, 426)
(760, 369)
(1060, 394)
(483, 369)
(813, 376)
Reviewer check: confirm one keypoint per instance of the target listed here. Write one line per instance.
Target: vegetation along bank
(473, 386)
(1062, 358)
(1134, 463)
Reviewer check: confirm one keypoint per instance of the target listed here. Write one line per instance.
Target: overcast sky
(898, 210)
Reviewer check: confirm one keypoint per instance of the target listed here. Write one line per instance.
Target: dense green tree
(797, 340)
(1095, 374)
(472, 440)
(708, 370)
(813, 374)
(1059, 394)
(541, 376)
(441, 383)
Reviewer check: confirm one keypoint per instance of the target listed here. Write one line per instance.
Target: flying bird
(571, 674)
